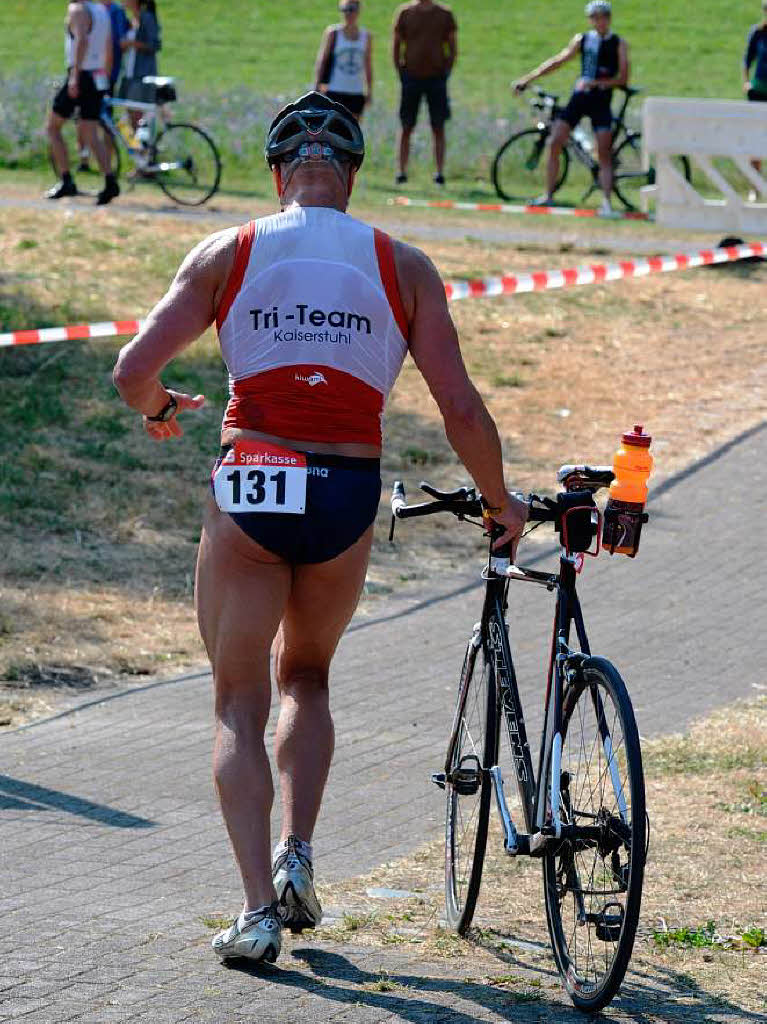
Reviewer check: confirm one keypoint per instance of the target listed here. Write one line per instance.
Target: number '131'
(256, 492)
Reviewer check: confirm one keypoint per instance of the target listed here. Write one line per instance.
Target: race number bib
(258, 477)
(101, 81)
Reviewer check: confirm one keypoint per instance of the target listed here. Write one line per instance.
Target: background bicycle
(583, 802)
(519, 165)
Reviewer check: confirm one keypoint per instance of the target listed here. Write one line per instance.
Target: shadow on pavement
(18, 795)
(643, 998)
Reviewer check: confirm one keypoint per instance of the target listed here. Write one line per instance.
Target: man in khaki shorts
(424, 51)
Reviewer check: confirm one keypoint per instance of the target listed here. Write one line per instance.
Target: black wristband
(165, 413)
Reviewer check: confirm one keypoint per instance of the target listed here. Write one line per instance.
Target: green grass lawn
(270, 47)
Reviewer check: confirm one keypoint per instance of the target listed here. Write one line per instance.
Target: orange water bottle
(624, 512)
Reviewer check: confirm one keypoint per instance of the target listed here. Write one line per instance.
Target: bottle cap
(637, 438)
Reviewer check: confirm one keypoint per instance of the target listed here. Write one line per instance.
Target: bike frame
(540, 807)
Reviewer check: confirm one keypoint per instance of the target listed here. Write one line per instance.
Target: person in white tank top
(288, 571)
(88, 48)
(344, 66)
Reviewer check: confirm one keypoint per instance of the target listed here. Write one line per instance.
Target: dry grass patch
(702, 939)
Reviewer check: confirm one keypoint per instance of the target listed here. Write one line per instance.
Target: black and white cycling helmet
(598, 7)
(318, 126)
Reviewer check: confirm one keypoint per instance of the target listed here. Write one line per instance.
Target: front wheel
(593, 883)
(519, 167)
(473, 749)
(185, 164)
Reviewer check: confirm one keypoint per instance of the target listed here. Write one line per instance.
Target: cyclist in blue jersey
(604, 65)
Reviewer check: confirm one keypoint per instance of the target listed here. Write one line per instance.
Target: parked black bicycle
(519, 165)
(583, 808)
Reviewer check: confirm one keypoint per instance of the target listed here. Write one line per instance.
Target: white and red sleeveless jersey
(311, 326)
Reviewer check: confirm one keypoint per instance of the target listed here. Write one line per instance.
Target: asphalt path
(112, 845)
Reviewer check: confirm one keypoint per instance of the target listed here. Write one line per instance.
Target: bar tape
(553, 211)
(508, 284)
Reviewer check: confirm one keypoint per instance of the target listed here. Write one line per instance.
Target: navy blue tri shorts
(591, 103)
(342, 496)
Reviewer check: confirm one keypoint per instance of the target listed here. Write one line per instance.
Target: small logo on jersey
(312, 379)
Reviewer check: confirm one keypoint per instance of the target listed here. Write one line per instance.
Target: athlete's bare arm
(179, 318)
(551, 64)
(77, 23)
(323, 55)
(434, 346)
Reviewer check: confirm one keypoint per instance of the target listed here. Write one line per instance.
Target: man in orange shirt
(424, 51)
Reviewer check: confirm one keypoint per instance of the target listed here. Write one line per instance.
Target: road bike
(180, 158)
(583, 805)
(519, 165)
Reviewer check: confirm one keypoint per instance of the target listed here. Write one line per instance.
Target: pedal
(438, 778)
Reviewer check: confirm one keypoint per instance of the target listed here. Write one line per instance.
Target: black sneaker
(439, 179)
(400, 179)
(110, 191)
(61, 190)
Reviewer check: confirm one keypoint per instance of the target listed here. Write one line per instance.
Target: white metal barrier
(704, 130)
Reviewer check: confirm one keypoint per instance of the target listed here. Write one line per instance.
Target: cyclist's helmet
(317, 121)
(598, 7)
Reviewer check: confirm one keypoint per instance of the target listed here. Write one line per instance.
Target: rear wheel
(468, 787)
(629, 174)
(519, 167)
(593, 886)
(185, 164)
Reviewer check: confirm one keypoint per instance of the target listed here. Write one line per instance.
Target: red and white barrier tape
(78, 332)
(512, 284)
(508, 284)
(553, 211)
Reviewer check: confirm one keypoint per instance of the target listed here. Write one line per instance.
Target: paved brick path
(113, 850)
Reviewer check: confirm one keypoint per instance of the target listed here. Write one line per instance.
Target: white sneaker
(293, 876)
(606, 210)
(255, 936)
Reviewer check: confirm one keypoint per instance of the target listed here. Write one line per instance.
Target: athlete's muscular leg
(322, 601)
(96, 144)
(241, 593)
(404, 147)
(605, 156)
(560, 133)
(439, 147)
(56, 140)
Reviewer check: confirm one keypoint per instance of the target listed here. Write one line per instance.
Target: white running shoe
(255, 936)
(293, 876)
(606, 209)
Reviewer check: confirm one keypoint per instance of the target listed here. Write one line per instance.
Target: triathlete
(88, 46)
(604, 65)
(315, 312)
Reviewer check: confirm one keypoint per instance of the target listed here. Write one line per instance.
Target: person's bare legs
(404, 148)
(56, 140)
(605, 157)
(439, 148)
(560, 133)
(95, 143)
(322, 601)
(241, 593)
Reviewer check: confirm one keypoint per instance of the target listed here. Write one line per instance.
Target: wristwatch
(165, 413)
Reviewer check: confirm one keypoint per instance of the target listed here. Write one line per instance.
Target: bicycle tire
(191, 148)
(516, 171)
(474, 746)
(574, 870)
(636, 176)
